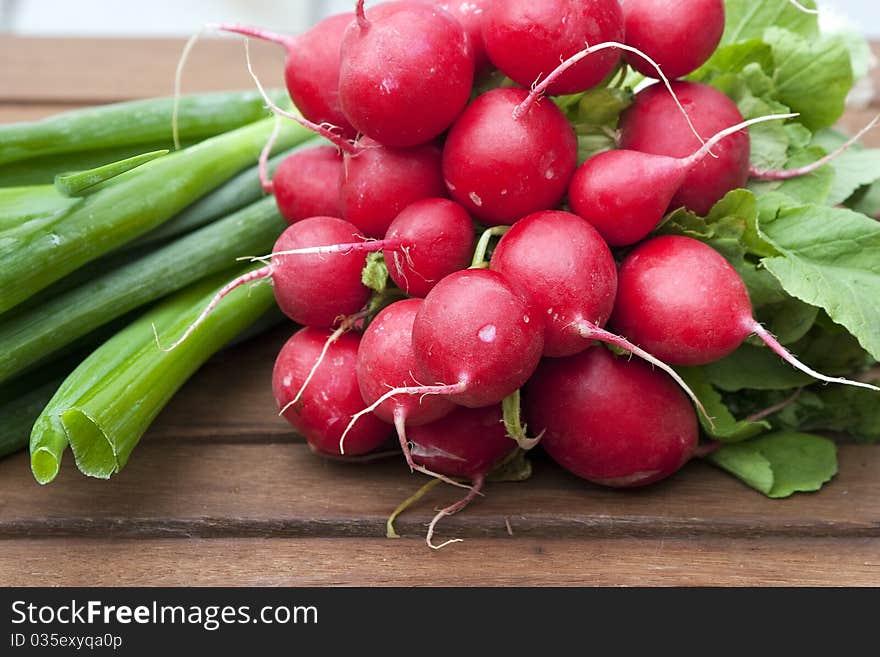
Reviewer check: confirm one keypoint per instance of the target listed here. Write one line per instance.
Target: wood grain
(378, 562)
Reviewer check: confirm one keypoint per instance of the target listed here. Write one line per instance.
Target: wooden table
(221, 492)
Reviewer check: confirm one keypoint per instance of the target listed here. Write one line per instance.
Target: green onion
(21, 204)
(110, 400)
(38, 253)
(83, 183)
(131, 123)
(30, 336)
(17, 416)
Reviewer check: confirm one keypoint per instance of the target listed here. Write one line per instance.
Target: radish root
(787, 174)
(478, 482)
(539, 89)
(801, 7)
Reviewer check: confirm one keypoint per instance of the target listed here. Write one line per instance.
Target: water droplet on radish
(488, 333)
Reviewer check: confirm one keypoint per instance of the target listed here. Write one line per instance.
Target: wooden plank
(92, 71)
(378, 562)
(198, 489)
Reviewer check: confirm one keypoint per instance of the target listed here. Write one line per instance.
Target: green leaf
(747, 19)
(726, 428)
(789, 320)
(781, 464)
(829, 258)
(812, 76)
(814, 187)
(853, 411)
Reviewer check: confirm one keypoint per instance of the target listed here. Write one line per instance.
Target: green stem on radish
(516, 429)
(390, 532)
(479, 261)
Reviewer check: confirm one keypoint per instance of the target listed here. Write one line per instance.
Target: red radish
(475, 334)
(378, 183)
(315, 290)
(501, 165)
(680, 35)
(311, 70)
(306, 184)
(471, 15)
(681, 300)
(406, 72)
(611, 421)
(438, 239)
(526, 40)
(323, 411)
(561, 266)
(426, 242)
(468, 443)
(385, 361)
(624, 194)
(653, 124)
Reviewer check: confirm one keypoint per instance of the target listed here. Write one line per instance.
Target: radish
(467, 443)
(681, 300)
(316, 290)
(323, 411)
(680, 35)
(378, 183)
(429, 240)
(526, 40)
(471, 15)
(406, 72)
(611, 421)
(502, 165)
(653, 124)
(561, 266)
(624, 194)
(306, 184)
(311, 69)
(385, 361)
(474, 333)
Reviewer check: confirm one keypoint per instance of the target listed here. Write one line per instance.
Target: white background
(183, 17)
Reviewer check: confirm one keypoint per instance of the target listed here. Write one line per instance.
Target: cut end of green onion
(93, 450)
(45, 466)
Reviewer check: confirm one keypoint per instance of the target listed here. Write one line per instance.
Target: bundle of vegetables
(658, 251)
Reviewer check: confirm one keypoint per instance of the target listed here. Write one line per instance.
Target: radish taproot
(501, 165)
(386, 360)
(624, 194)
(681, 300)
(317, 290)
(311, 68)
(467, 443)
(326, 405)
(406, 72)
(610, 420)
(654, 124)
(526, 40)
(680, 35)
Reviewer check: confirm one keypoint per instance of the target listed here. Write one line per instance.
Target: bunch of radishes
(421, 156)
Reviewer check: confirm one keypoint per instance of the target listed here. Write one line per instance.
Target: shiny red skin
(681, 300)
(467, 443)
(680, 35)
(564, 270)
(440, 235)
(624, 194)
(528, 39)
(611, 420)
(406, 76)
(331, 397)
(470, 13)
(502, 168)
(317, 290)
(474, 329)
(653, 124)
(311, 72)
(386, 360)
(306, 184)
(378, 183)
